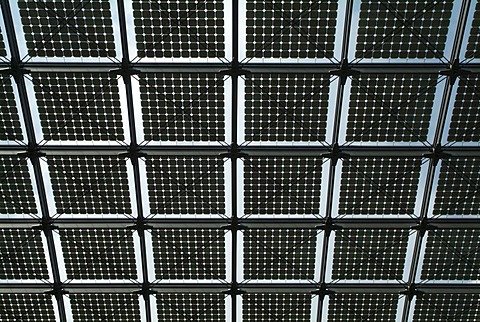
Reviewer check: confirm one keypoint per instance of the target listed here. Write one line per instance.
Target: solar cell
(105, 307)
(276, 307)
(449, 307)
(26, 307)
(188, 307)
(16, 187)
(9, 120)
(362, 307)
(465, 114)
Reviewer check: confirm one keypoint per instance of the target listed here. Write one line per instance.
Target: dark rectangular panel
(276, 307)
(3, 51)
(473, 44)
(26, 307)
(105, 307)
(16, 189)
(190, 307)
(362, 307)
(466, 115)
(10, 129)
(447, 307)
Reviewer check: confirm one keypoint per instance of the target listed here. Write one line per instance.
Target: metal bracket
(454, 71)
(344, 71)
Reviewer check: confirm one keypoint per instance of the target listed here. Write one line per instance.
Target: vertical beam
(134, 156)
(46, 225)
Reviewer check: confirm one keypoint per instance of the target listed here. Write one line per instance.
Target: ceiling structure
(239, 160)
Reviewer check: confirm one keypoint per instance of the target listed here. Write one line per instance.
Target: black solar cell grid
(474, 38)
(282, 186)
(183, 107)
(291, 29)
(186, 185)
(22, 255)
(78, 106)
(99, 254)
(179, 29)
(16, 189)
(452, 255)
(286, 107)
(464, 175)
(403, 29)
(9, 121)
(379, 186)
(26, 307)
(68, 28)
(190, 307)
(447, 307)
(279, 254)
(362, 307)
(189, 254)
(90, 185)
(393, 107)
(369, 254)
(276, 307)
(3, 51)
(105, 307)
(466, 115)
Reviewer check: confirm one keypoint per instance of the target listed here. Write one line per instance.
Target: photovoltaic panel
(90, 185)
(179, 29)
(452, 254)
(447, 307)
(16, 189)
(392, 108)
(362, 307)
(403, 29)
(464, 175)
(26, 307)
(474, 38)
(69, 28)
(379, 186)
(3, 51)
(98, 253)
(286, 107)
(189, 254)
(282, 186)
(9, 121)
(466, 116)
(183, 107)
(369, 254)
(291, 29)
(279, 254)
(22, 255)
(180, 307)
(79, 106)
(276, 307)
(105, 307)
(186, 185)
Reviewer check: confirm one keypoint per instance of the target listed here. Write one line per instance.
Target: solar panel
(78, 106)
(189, 254)
(465, 115)
(190, 307)
(9, 121)
(105, 307)
(3, 51)
(474, 37)
(16, 187)
(179, 29)
(276, 307)
(68, 28)
(26, 307)
(403, 29)
(90, 185)
(362, 307)
(447, 307)
(183, 107)
(286, 29)
(279, 254)
(282, 185)
(286, 107)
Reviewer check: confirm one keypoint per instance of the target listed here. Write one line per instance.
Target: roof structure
(239, 160)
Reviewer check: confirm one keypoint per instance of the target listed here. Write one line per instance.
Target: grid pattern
(105, 307)
(276, 307)
(179, 29)
(464, 122)
(463, 174)
(403, 29)
(392, 108)
(282, 186)
(279, 254)
(183, 107)
(26, 307)
(69, 28)
(187, 254)
(3, 51)
(448, 307)
(98, 254)
(190, 307)
(9, 120)
(286, 107)
(179, 185)
(286, 29)
(22, 255)
(452, 255)
(90, 185)
(474, 38)
(16, 191)
(369, 255)
(78, 106)
(386, 186)
(362, 307)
